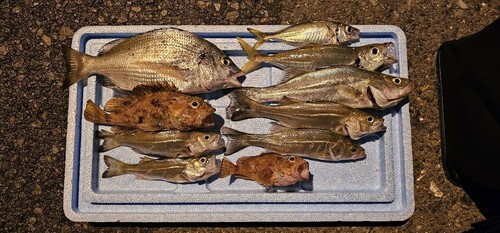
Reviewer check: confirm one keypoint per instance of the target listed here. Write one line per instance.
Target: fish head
(344, 33)
(203, 142)
(294, 169)
(389, 91)
(190, 112)
(346, 150)
(218, 72)
(360, 124)
(201, 168)
(377, 56)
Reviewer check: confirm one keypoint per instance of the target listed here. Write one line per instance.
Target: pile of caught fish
(316, 106)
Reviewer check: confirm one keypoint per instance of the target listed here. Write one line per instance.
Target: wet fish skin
(311, 143)
(171, 143)
(179, 170)
(172, 56)
(268, 169)
(310, 58)
(292, 113)
(347, 85)
(314, 32)
(153, 108)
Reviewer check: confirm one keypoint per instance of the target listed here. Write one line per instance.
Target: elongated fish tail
(236, 140)
(109, 140)
(254, 56)
(115, 167)
(241, 107)
(75, 65)
(261, 37)
(94, 114)
(227, 168)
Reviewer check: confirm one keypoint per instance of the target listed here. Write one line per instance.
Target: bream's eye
(374, 51)
(348, 29)
(370, 119)
(226, 61)
(397, 80)
(203, 160)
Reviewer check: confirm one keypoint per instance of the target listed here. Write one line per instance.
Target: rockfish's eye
(226, 61)
(374, 51)
(396, 80)
(207, 137)
(291, 158)
(195, 104)
(348, 29)
(203, 160)
(369, 119)
(353, 149)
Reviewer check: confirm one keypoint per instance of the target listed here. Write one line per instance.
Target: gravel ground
(34, 115)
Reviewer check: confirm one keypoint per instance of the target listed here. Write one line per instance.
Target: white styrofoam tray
(378, 188)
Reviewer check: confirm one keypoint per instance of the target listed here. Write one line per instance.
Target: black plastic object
(469, 85)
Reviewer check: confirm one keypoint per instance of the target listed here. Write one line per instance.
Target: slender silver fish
(309, 58)
(292, 113)
(311, 143)
(347, 85)
(179, 170)
(315, 32)
(172, 143)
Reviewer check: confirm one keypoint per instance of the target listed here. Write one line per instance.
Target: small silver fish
(172, 143)
(310, 58)
(176, 57)
(293, 113)
(179, 170)
(310, 143)
(315, 32)
(347, 85)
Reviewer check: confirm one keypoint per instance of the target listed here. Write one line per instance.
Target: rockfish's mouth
(303, 170)
(208, 121)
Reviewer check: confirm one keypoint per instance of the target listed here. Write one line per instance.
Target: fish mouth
(208, 121)
(360, 154)
(220, 143)
(303, 170)
(232, 81)
(379, 126)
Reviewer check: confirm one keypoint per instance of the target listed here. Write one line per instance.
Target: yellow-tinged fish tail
(75, 64)
(241, 107)
(109, 141)
(261, 37)
(227, 168)
(236, 140)
(253, 57)
(94, 114)
(115, 167)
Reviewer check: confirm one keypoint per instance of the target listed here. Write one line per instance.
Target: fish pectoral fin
(348, 92)
(265, 177)
(164, 69)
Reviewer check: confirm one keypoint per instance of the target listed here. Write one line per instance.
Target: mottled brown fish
(153, 108)
(171, 143)
(179, 170)
(311, 143)
(293, 113)
(268, 169)
(347, 85)
(172, 56)
(309, 58)
(315, 32)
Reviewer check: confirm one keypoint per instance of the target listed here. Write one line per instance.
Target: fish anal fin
(289, 73)
(277, 127)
